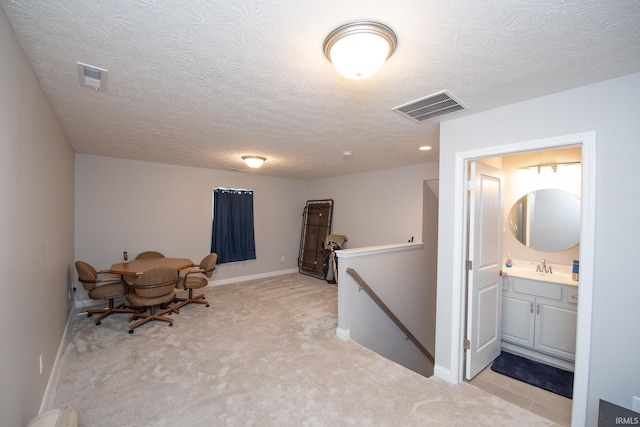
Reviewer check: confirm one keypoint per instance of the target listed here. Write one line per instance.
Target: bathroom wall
(519, 182)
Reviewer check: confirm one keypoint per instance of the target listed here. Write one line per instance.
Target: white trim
(344, 334)
(373, 250)
(587, 141)
(585, 302)
(252, 277)
(56, 365)
(84, 304)
(444, 374)
(538, 356)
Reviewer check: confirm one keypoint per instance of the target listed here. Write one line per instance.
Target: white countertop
(560, 277)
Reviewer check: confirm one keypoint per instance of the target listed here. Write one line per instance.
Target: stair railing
(388, 312)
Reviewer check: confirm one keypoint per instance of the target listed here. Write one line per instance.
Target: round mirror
(546, 220)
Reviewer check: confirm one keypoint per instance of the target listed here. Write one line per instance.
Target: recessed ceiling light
(425, 148)
(347, 153)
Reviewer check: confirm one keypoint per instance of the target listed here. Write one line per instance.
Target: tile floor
(541, 402)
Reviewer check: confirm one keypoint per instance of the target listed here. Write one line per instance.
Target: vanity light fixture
(359, 49)
(254, 161)
(553, 166)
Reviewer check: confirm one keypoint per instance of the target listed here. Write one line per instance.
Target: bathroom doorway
(586, 142)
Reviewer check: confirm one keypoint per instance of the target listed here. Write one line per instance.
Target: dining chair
(153, 288)
(101, 287)
(149, 255)
(196, 278)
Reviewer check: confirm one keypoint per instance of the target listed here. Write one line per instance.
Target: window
(232, 236)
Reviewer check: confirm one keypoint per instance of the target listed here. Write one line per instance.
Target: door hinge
(469, 265)
(467, 344)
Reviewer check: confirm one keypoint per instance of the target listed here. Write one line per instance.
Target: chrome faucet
(543, 268)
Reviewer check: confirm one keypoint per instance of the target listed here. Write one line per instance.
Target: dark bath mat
(537, 374)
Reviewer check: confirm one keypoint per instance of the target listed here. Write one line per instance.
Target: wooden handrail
(388, 312)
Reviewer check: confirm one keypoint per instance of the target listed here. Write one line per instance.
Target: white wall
(610, 109)
(376, 208)
(36, 225)
(135, 206)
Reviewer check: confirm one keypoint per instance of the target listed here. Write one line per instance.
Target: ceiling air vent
(431, 106)
(93, 77)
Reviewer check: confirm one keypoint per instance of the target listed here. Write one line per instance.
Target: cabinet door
(555, 331)
(518, 319)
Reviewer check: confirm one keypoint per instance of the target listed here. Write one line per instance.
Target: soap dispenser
(509, 262)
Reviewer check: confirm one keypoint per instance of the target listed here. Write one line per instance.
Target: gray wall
(376, 208)
(36, 225)
(135, 206)
(610, 109)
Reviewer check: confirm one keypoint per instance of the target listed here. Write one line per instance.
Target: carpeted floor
(264, 354)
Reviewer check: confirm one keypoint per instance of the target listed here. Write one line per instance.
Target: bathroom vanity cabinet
(540, 316)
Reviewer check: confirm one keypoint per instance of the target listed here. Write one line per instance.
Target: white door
(484, 295)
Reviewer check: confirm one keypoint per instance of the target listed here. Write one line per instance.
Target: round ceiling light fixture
(359, 49)
(254, 161)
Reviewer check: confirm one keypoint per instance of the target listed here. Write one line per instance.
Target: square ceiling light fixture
(93, 77)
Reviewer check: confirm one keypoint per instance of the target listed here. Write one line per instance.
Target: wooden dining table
(139, 266)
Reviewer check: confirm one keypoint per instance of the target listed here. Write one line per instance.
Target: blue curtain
(233, 238)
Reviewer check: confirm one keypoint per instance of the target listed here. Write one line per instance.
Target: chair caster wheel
(207, 305)
(135, 318)
(98, 323)
(89, 314)
(171, 324)
(130, 331)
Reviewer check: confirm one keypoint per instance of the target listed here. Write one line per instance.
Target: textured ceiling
(203, 82)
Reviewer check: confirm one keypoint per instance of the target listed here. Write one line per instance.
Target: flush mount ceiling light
(359, 49)
(254, 161)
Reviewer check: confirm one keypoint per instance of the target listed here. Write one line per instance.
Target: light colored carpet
(264, 354)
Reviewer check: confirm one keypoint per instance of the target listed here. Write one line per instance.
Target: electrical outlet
(41, 365)
(635, 404)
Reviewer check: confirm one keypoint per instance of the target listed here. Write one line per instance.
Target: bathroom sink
(560, 278)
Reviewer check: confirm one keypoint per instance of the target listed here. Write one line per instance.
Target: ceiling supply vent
(91, 76)
(431, 106)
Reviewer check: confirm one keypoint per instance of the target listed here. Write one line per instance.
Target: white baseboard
(444, 374)
(538, 357)
(82, 304)
(252, 277)
(344, 334)
(56, 365)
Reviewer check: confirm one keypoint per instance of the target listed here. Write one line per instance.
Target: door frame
(587, 142)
